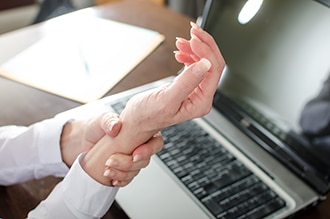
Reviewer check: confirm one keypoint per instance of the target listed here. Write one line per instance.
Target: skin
(189, 96)
(80, 136)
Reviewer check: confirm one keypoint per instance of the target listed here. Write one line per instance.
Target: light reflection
(249, 10)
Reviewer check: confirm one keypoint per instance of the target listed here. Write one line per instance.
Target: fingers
(184, 54)
(118, 183)
(184, 58)
(145, 151)
(122, 168)
(183, 45)
(202, 45)
(140, 157)
(120, 178)
(206, 38)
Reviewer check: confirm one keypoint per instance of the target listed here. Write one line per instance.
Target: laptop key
(212, 205)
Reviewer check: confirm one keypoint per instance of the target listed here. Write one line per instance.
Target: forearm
(70, 142)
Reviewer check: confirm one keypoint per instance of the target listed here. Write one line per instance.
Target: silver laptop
(249, 157)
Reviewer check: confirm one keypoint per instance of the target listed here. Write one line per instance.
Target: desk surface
(25, 105)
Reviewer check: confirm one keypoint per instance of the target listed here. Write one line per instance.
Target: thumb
(185, 83)
(106, 123)
(110, 123)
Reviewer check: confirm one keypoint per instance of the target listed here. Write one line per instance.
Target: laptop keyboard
(220, 181)
(216, 178)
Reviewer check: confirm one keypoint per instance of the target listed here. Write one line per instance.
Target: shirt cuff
(50, 156)
(85, 195)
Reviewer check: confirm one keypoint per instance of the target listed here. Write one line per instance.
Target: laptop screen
(277, 54)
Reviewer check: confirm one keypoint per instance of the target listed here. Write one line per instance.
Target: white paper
(84, 60)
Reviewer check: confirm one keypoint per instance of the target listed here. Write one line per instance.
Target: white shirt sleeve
(31, 152)
(77, 196)
(34, 152)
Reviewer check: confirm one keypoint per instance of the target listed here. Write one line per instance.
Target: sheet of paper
(84, 60)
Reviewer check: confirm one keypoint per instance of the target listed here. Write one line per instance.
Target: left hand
(122, 168)
(80, 136)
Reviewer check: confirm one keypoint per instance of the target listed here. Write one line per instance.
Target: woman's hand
(79, 136)
(189, 96)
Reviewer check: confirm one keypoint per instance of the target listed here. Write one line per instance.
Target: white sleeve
(31, 152)
(77, 196)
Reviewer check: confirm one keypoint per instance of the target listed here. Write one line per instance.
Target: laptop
(248, 158)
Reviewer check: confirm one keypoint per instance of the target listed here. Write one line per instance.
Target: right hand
(189, 96)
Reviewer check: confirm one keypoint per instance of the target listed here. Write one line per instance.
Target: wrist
(68, 143)
(135, 131)
(93, 163)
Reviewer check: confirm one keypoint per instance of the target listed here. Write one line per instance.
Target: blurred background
(15, 14)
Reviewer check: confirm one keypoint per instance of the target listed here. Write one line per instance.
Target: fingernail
(195, 26)
(201, 67)
(111, 163)
(107, 173)
(180, 39)
(115, 183)
(206, 62)
(158, 134)
(113, 122)
(137, 158)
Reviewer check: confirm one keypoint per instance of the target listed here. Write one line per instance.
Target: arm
(78, 195)
(189, 96)
(35, 152)
(31, 152)
(49, 147)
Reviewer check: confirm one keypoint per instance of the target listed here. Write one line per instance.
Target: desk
(23, 105)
